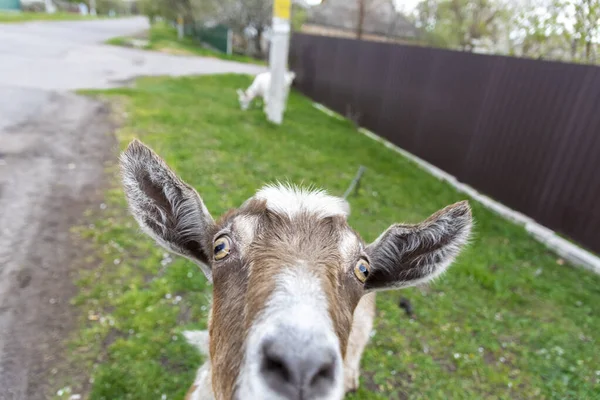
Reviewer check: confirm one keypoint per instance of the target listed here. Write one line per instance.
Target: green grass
(41, 16)
(506, 322)
(118, 41)
(163, 38)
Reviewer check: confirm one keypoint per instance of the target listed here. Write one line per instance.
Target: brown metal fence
(524, 132)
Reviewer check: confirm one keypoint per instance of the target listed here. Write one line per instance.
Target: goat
(260, 88)
(293, 284)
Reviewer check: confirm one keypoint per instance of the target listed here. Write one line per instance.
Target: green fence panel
(217, 37)
(12, 5)
(188, 29)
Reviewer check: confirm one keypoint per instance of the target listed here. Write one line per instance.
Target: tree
(258, 15)
(298, 16)
(425, 18)
(151, 9)
(566, 30)
(240, 15)
(586, 29)
(383, 8)
(362, 10)
(536, 31)
(237, 14)
(460, 23)
(189, 10)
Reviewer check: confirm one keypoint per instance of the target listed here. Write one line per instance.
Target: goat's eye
(361, 270)
(221, 248)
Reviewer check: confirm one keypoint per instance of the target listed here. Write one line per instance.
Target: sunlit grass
(41, 16)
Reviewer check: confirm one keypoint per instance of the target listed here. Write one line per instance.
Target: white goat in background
(260, 88)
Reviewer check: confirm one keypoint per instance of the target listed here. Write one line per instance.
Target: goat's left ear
(166, 208)
(406, 255)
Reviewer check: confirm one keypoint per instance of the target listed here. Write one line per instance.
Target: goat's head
(288, 272)
(244, 99)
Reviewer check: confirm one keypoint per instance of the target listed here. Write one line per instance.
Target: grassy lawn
(506, 322)
(34, 16)
(163, 37)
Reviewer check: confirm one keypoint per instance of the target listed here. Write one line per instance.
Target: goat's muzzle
(298, 370)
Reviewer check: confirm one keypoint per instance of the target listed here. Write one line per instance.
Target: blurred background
(494, 101)
(562, 30)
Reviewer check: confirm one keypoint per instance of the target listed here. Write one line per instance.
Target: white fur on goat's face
(298, 303)
(288, 284)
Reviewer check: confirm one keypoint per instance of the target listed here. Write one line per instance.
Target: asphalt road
(53, 149)
(69, 55)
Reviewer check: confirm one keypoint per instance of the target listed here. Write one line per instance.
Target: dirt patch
(141, 34)
(399, 384)
(51, 174)
(369, 381)
(175, 51)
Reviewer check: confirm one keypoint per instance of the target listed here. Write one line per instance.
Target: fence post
(179, 27)
(229, 41)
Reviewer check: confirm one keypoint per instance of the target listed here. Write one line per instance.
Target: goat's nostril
(276, 369)
(325, 374)
(275, 366)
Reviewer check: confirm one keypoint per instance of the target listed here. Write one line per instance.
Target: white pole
(50, 9)
(93, 8)
(278, 59)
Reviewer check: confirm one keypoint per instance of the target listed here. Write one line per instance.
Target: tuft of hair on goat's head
(288, 273)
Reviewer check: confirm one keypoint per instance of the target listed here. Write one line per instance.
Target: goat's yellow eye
(361, 270)
(221, 248)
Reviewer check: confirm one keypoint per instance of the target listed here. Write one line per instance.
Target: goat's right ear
(407, 255)
(240, 92)
(165, 207)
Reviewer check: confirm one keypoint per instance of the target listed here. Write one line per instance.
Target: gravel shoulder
(51, 170)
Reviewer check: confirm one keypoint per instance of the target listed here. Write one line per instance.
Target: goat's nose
(298, 372)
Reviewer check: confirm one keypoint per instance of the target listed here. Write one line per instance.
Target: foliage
(104, 7)
(172, 9)
(506, 322)
(426, 19)
(537, 31)
(241, 15)
(567, 30)
(237, 14)
(586, 29)
(299, 15)
(151, 9)
(460, 23)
